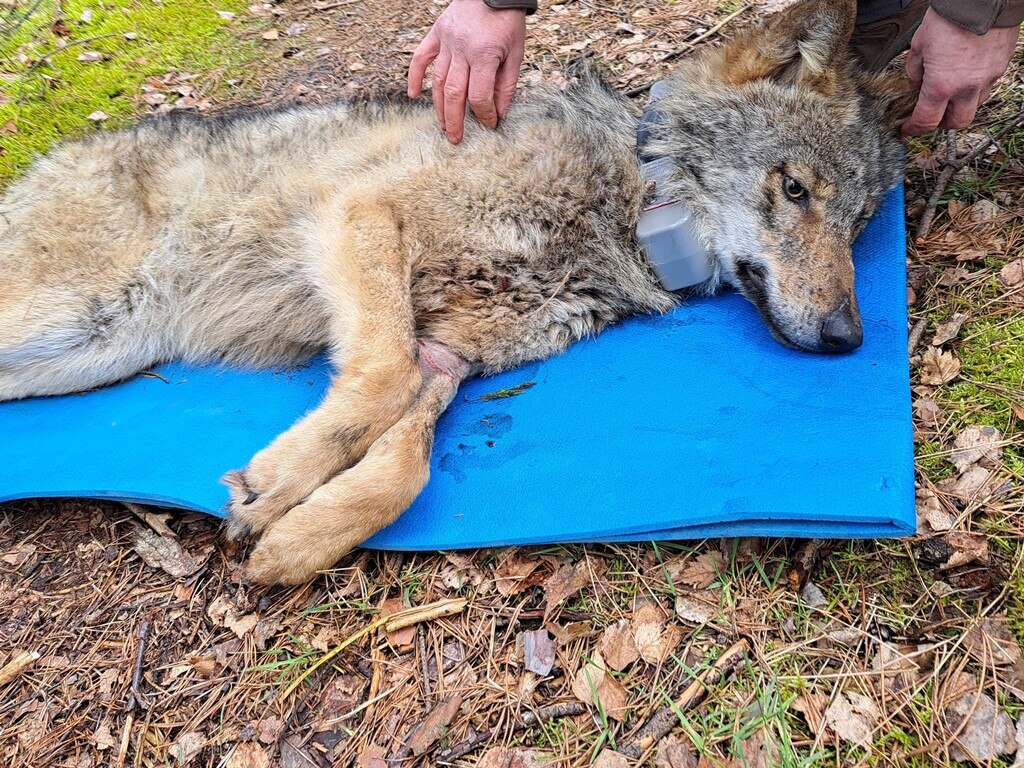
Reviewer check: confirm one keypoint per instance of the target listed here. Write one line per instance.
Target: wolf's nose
(842, 330)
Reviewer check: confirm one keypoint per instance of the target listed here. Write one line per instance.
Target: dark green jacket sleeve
(979, 16)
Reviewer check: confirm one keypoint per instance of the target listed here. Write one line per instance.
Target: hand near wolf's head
(954, 69)
(477, 52)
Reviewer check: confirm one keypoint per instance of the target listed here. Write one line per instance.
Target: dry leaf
(401, 639)
(654, 638)
(503, 757)
(226, 15)
(538, 652)
(938, 367)
(617, 646)
(983, 211)
(697, 607)
(952, 276)
(967, 548)
(852, 717)
(103, 738)
(969, 486)
(248, 755)
(160, 552)
(98, 116)
(8, 128)
(1012, 274)
(976, 444)
(704, 571)
(984, 732)
(271, 34)
(90, 56)
(269, 729)
(343, 694)
(812, 706)
(566, 582)
(610, 759)
(372, 756)
(434, 726)
(593, 684)
(931, 517)
(186, 747)
(759, 751)
(949, 330)
(990, 641)
(516, 572)
(673, 752)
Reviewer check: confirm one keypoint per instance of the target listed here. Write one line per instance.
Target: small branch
(689, 45)
(915, 336)
(395, 621)
(666, 718)
(50, 54)
(136, 697)
(530, 719)
(17, 665)
(952, 164)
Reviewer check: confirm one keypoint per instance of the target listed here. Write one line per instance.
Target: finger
(505, 84)
(425, 53)
(915, 68)
(927, 115)
(437, 81)
(454, 97)
(481, 92)
(960, 112)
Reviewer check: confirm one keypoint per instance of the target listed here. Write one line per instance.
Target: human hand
(954, 70)
(476, 52)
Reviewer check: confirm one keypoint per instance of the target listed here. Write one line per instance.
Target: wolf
(260, 238)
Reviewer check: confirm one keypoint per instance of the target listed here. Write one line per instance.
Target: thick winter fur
(260, 238)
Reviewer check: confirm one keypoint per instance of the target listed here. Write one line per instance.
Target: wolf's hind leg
(365, 274)
(351, 507)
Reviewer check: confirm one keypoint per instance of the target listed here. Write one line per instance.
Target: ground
(129, 637)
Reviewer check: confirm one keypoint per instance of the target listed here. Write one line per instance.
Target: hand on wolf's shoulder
(476, 52)
(955, 69)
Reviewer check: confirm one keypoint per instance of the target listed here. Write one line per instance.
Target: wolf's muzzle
(842, 330)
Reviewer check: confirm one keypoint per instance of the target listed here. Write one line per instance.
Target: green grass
(49, 94)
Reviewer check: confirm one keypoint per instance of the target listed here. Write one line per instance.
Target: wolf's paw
(276, 480)
(298, 546)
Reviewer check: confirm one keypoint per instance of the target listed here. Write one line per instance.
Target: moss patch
(52, 81)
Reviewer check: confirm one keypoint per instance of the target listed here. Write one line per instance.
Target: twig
(659, 725)
(530, 719)
(60, 49)
(915, 335)
(689, 45)
(331, 6)
(17, 665)
(424, 667)
(136, 697)
(395, 621)
(952, 164)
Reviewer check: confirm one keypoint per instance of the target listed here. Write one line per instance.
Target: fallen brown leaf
(617, 645)
(852, 717)
(977, 444)
(704, 571)
(930, 514)
(983, 731)
(990, 641)
(248, 755)
(503, 757)
(186, 747)
(608, 758)
(673, 752)
(593, 684)
(655, 639)
(938, 367)
(434, 726)
(164, 553)
(949, 330)
(812, 706)
(1012, 273)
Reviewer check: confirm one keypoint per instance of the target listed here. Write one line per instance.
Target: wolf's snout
(842, 330)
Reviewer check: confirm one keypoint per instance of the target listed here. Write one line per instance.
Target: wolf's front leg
(360, 501)
(364, 271)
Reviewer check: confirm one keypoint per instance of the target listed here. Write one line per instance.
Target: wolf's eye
(794, 190)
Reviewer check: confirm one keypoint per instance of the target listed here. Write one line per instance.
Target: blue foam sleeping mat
(688, 425)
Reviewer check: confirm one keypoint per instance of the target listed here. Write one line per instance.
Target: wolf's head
(784, 151)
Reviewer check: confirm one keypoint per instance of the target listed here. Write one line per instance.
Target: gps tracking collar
(666, 228)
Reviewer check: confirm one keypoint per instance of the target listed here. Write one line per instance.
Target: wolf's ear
(894, 95)
(806, 44)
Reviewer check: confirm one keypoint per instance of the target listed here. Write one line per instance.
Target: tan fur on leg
(366, 277)
(360, 501)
